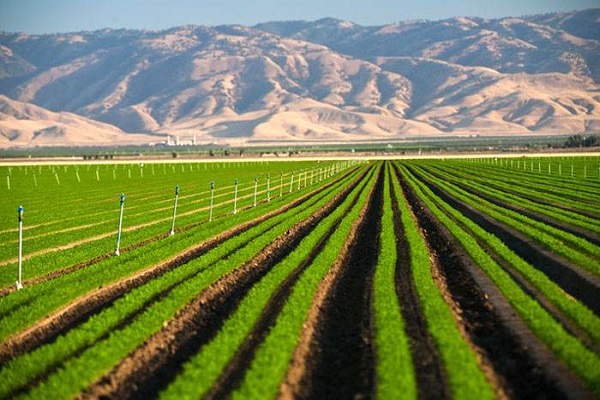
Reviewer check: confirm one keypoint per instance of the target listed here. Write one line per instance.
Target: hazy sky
(49, 16)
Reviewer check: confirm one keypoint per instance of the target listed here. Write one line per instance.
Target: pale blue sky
(50, 16)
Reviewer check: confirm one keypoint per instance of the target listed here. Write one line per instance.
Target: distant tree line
(583, 141)
(98, 157)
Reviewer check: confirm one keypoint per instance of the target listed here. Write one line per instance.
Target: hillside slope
(23, 124)
(323, 80)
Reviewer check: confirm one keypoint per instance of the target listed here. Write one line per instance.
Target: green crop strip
(69, 213)
(205, 367)
(45, 297)
(568, 348)
(46, 208)
(583, 317)
(549, 237)
(70, 223)
(579, 194)
(465, 377)
(118, 343)
(272, 358)
(522, 187)
(27, 367)
(554, 186)
(486, 187)
(394, 363)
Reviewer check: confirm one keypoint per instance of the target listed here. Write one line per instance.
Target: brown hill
(326, 80)
(23, 124)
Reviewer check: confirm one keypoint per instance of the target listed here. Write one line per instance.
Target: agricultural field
(465, 278)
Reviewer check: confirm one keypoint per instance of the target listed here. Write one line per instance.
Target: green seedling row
(61, 215)
(460, 362)
(563, 243)
(568, 348)
(394, 362)
(503, 193)
(22, 307)
(69, 238)
(111, 338)
(583, 317)
(205, 368)
(272, 357)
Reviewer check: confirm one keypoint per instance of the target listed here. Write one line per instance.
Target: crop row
(587, 167)
(568, 245)
(91, 232)
(52, 293)
(577, 191)
(521, 198)
(566, 326)
(405, 279)
(88, 347)
(396, 365)
(271, 357)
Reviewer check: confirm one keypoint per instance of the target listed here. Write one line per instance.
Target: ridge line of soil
(547, 203)
(522, 365)
(575, 230)
(431, 376)
(87, 304)
(234, 373)
(579, 283)
(304, 379)
(153, 365)
(533, 292)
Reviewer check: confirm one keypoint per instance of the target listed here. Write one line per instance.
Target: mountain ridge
(26, 124)
(327, 80)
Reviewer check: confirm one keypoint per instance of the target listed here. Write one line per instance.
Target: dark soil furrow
(577, 231)
(547, 203)
(579, 283)
(81, 309)
(154, 365)
(522, 366)
(531, 291)
(235, 371)
(432, 381)
(298, 383)
(343, 365)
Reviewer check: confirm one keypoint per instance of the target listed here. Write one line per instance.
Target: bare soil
(299, 380)
(340, 363)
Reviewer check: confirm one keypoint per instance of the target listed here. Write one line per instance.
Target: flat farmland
(447, 278)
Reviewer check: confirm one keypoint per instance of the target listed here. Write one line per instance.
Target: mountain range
(321, 81)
